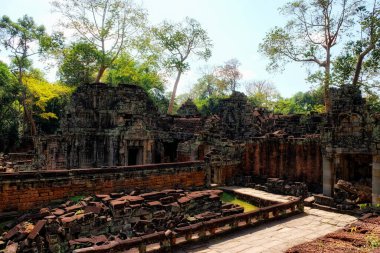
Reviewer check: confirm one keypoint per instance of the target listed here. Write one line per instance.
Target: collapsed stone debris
(99, 219)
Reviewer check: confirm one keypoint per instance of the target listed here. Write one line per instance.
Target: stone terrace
(277, 236)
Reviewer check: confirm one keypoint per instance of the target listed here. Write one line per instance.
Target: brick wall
(224, 172)
(294, 159)
(28, 190)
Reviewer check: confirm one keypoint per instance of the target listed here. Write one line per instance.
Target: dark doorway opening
(170, 151)
(134, 155)
(355, 168)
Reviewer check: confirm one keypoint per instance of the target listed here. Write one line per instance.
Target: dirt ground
(361, 236)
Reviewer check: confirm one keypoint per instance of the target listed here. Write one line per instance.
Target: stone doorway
(170, 151)
(355, 168)
(135, 155)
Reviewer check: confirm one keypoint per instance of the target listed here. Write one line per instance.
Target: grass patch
(76, 199)
(373, 241)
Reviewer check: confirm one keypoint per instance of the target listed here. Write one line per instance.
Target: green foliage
(314, 29)
(108, 26)
(373, 101)
(24, 39)
(79, 64)
(275, 45)
(373, 241)
(40, 92)
(126, 70)
(45, 100)
(9, 109)
(178, 42)
(208, 85)
(77, 198)
(301, 103)
(359, 61)
(229, 74)
(159, 99)
(262, 94)
(19, 38)
(363, 206)
(208, 106)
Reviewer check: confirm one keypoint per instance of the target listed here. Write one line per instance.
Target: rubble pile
(280, 186)
(295, 125)
(5, 164)
(99, 219)
(347, 195)
(2, 163)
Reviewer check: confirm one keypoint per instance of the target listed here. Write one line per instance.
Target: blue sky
(236, 28)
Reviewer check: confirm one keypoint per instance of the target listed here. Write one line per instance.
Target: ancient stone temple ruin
(119, 130)
(350, 143)
(113, 128)
(119, 175)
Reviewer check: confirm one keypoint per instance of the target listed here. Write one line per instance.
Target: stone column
(327, 176)
(376, 179)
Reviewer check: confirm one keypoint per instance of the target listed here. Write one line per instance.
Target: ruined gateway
(114, 137)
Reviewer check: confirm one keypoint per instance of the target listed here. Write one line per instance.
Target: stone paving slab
(277, 236)
(259, 194)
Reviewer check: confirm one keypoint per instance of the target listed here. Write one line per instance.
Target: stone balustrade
(201, 230)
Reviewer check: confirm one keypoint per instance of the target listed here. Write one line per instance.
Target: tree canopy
(79, 63)
(24, 39)
(314, 29)
(229, 74)
(126, 70)
(179, 41)
(262, 93)
(110, 26)
(9, 113)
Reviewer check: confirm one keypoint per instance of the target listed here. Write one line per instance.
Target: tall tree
(230, 74)
(23, 40)
(301, 103)
(108, 25)
(9, 113)
(78, 64)
(262, 93)
(315, 27)
(370, 26)
(209, 84)
(360, 60)
(179, 42)
(129, 71)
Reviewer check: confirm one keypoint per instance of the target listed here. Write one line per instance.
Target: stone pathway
(277, 236)
(259, 194)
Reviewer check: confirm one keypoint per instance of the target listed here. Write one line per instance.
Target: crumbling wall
(292, 159)
(116, 126)
(23, 191)
(188, 109)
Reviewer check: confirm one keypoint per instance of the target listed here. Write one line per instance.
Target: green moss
(229, 198)
(2, 225)
(76, 199)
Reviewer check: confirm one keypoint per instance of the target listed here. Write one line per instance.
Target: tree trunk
(359, 63)
(171, 104)
(32, 124)
(326, 82)
(100, 73)
(28, 114)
